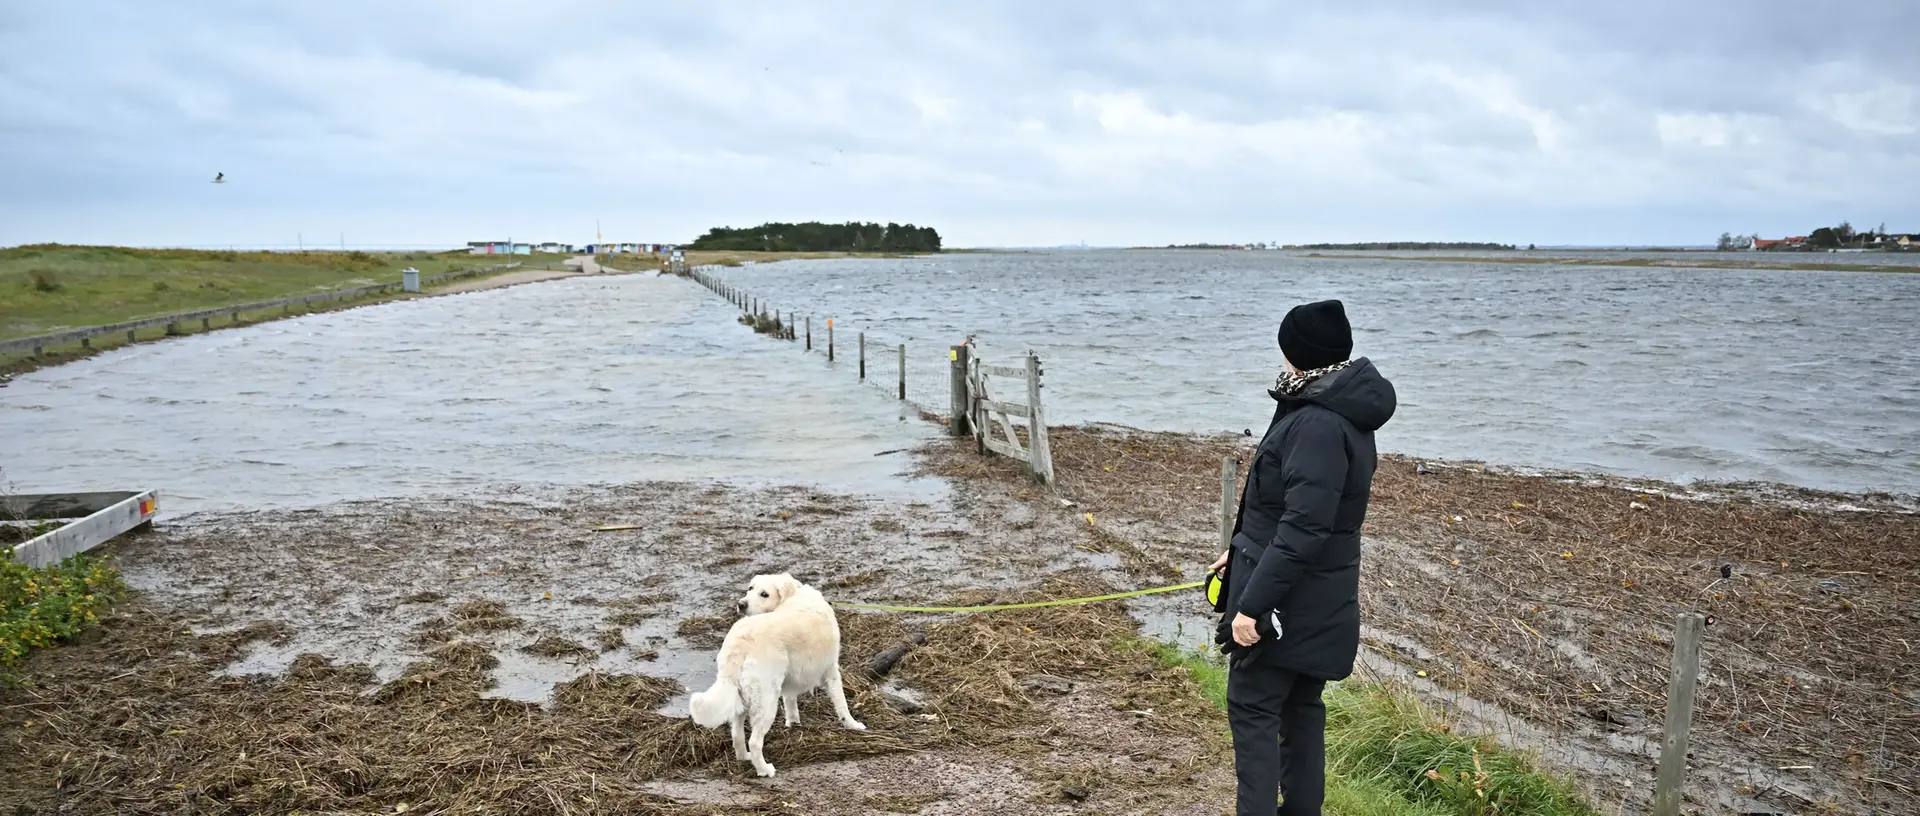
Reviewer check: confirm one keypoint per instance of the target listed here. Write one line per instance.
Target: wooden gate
(983, 394)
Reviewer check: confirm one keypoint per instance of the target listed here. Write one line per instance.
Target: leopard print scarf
(1291, 384)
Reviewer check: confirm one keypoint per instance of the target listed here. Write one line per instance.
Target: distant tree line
(1407, 245)
(814, 236)
(1839, 236)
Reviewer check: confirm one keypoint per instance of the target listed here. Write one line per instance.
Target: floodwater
(593, 380)
(1800, 377)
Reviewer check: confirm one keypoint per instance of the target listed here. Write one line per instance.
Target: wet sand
(423, 643)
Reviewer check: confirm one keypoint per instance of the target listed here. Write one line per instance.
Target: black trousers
(1279, 739)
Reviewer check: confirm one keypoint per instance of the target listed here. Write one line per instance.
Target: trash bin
(410, 279)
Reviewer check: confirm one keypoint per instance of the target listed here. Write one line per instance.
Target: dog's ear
(785, 586)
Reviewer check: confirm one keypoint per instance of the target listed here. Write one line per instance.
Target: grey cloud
(1118, 122)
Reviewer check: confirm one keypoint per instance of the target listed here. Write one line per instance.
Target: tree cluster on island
(813, 236)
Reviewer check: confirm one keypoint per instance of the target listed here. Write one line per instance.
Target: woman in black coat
(1291, 618)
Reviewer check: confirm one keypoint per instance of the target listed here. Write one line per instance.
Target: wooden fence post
(1673, 748)
(903, 371)
(809, 332)
(982, 421)
(863, 356)
(829, 339)
(1229, 479)
(1037, 445)
(959, 412)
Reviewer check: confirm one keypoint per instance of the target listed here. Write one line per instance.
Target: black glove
(1264, 625)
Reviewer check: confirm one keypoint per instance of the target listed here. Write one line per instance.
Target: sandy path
(508, 279)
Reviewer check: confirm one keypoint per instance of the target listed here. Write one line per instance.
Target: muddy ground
(500, 655)
(1540, 607)
(503, 656)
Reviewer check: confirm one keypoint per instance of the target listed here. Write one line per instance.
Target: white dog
(787, 644)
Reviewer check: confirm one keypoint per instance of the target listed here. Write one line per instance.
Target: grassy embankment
(1390, 755)
(51, 288)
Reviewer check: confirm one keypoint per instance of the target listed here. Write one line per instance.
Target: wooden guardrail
(37, 344)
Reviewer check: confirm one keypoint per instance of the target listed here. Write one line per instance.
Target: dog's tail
(718, 705)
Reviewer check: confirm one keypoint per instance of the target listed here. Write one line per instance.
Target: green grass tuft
(1389, 755)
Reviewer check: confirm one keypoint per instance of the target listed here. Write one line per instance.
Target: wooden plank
(986, 388)
(1005, 449)
(1229, 479)
(1037, 425)
(986, 399)
(94, 530)
(959, 419)
(1007, 425)
(1008, 408)
(1667, 794)
(1003, 371)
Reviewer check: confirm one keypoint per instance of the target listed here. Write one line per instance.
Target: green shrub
(42, 280)
(41, 606)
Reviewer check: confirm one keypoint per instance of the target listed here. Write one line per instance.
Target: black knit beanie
(1316, 335)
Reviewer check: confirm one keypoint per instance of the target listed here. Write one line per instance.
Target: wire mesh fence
(875, 354)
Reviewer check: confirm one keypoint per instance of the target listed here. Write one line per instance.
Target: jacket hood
(1358, 392)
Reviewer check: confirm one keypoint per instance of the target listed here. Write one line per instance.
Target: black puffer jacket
(1296, 545)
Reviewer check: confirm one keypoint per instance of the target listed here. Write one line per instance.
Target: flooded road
(583, 381)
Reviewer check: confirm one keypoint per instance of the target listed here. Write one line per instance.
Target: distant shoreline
(1669, 263)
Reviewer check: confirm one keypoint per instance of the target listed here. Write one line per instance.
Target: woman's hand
(1220, 562)
(1244, 632)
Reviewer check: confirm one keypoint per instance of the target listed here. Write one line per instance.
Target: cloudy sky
(1000, 123)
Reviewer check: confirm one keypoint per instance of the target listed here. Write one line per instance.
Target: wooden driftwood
(884, 662)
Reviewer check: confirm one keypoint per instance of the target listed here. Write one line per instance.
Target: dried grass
(482, 615)
(1555, 595)
(133, 720)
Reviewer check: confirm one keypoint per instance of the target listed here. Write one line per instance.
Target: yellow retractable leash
(1211, 593)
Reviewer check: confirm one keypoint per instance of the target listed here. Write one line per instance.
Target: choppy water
(594, 380)
(1803, 377)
